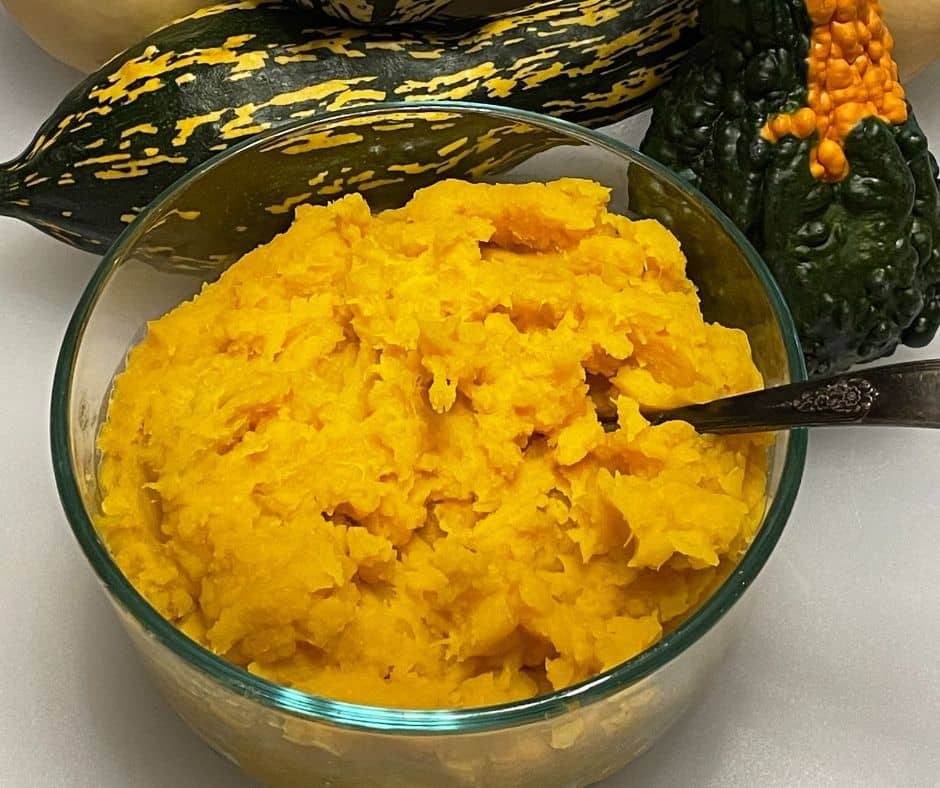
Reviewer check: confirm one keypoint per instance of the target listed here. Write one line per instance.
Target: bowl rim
(415, 721)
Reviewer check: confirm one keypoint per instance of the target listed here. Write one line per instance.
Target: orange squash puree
(366, 462)
(852, 76)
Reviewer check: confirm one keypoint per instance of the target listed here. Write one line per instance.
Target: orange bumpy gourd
(852, 76)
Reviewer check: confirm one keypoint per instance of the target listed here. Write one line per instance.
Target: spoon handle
(900, 395)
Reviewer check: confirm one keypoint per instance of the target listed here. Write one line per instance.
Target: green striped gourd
(367, 150)
(229, 71)
(378, 12)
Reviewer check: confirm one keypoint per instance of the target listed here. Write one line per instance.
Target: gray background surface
(835, 683)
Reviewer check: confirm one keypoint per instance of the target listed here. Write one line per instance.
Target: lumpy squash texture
(366, 463)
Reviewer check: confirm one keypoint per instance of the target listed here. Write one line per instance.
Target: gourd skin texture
(853, 244)
(366, 462)
(230, 71)
(379, 12)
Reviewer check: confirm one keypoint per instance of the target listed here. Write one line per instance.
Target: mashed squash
(366, 463)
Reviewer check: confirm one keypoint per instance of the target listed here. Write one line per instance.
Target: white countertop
(837, 682)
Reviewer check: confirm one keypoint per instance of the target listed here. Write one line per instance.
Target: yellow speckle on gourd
(366, 462)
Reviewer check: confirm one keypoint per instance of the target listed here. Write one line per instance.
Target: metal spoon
(898, 395)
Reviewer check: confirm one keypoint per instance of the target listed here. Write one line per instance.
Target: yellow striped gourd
(229, 71)
(378, 12)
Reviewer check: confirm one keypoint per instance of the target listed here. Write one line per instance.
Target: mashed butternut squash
(366, 463)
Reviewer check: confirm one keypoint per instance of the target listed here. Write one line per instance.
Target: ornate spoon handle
(900, 395)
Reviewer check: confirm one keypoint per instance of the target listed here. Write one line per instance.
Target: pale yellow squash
(86, 33)
(915, 25)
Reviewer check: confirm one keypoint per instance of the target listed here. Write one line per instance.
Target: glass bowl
(245, 196)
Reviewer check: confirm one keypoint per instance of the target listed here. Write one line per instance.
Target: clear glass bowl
(242, 198)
